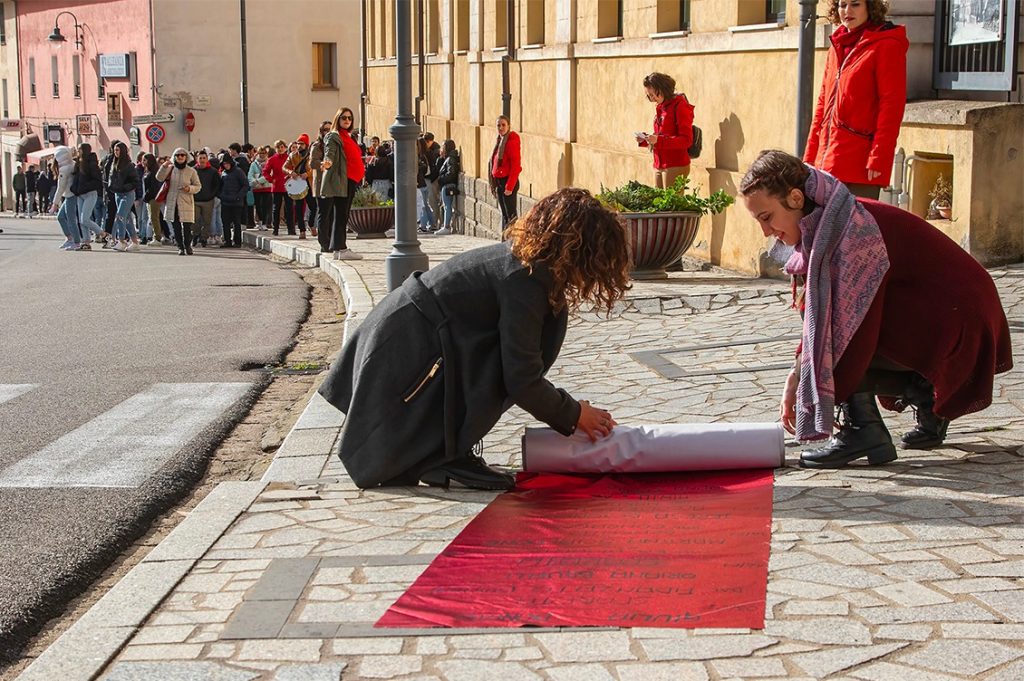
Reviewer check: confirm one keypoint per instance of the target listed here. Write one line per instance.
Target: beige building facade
(302, 65)
(577, 97)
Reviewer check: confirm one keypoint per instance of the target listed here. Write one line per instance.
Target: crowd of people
(205, 198)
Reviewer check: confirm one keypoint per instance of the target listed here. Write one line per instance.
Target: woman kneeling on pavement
(892, 307)
(438, 361)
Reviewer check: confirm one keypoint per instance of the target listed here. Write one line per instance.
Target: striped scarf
(843, 257)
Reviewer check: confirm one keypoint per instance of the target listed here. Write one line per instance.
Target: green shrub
(636, 197)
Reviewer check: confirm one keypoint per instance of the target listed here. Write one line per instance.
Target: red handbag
(161, 196)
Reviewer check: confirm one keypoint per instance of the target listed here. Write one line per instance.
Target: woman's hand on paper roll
(787, 409)
(595, 423)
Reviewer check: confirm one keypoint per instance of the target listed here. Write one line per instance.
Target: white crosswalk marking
(8, 391)
(125, 445)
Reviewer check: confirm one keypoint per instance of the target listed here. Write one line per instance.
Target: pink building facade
(93, 92)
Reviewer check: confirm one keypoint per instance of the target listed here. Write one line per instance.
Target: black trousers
(334, 219)
(506, 204)
(20, 201)
(182, 233)
(312, 211)
(295, 214)
(232, 217)
(264, 204)
(277, 209)
(110, 212)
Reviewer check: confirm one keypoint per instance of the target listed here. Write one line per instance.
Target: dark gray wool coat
(438, 361)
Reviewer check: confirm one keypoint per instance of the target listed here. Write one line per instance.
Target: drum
(296, 187)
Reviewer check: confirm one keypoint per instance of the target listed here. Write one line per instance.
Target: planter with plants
(371, 215)
(662, 222)
(942, 199)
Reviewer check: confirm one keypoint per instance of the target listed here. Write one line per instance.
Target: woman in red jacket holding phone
(863, 94)
(673, 130)
(503, 171)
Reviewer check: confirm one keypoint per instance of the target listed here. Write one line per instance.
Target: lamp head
(56, 36)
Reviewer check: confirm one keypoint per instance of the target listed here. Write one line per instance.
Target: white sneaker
(347, 254)
(443, 231)
(129, 246)
(117, 247)
(66, 245)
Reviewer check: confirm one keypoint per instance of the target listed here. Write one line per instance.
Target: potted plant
(371, 214)
(942, 197)
(662, 222)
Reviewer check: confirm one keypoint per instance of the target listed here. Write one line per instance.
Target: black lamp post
(406, 256)
(58, 37)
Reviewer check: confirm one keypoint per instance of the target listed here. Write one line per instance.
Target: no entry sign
(190, 121)
(156, 133)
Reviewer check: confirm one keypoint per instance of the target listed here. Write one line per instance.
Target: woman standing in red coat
(863, 94)
(503, 171)
(880, 317)
(673, 130)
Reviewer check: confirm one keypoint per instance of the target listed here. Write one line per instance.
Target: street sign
(134, 135)
(190, 121)
(86, 124)
(153, 118)
(114, 116)
(156, 133)
(202, 101)
(10, 124)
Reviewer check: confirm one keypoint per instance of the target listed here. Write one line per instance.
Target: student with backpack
(675, 139)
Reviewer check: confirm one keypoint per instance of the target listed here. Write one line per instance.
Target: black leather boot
(470, 471)
(931, 428)
(861, 434)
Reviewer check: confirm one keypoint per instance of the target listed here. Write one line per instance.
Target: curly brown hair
(582, 243)
(877, 11)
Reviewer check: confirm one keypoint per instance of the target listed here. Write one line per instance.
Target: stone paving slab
(914, 570)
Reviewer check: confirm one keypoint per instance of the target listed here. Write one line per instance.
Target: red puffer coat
(860, 107)
(673, 124)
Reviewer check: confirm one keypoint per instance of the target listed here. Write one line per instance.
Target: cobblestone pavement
(913, 570)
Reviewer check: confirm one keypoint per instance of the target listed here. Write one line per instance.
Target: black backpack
(698, 143)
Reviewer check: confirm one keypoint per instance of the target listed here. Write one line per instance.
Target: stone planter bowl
(371, 222)
(659, 239)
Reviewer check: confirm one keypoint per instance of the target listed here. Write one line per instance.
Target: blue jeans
(67, 217)
(426, 218)
(124, 202)
(142, 216)
(86, 207)
(216, 222)
(448, 194)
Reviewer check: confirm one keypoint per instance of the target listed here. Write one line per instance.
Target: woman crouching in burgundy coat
(892, 308)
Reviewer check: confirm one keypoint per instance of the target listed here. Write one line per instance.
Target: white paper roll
(657, 449)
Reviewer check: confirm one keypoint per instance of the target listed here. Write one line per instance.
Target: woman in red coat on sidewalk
(863, 94)
(503, 171)
(892, 307)
(673, 130)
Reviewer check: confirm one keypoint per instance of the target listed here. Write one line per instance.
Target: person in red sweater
(342, 173)
(863, 94)
(673, 130)
(503, 170)
(275, 173)
(880, 319)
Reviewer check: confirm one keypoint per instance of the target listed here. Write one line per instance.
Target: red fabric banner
(656, 550)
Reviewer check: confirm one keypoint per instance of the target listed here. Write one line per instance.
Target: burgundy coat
(937, 312)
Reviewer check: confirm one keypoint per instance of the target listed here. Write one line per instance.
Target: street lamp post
(805, 74)
(406, 256)
(57, 37)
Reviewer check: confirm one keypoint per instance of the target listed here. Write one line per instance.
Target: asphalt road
(119, 373)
